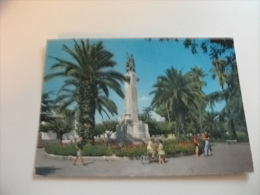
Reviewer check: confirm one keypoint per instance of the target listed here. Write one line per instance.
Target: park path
(226, 159)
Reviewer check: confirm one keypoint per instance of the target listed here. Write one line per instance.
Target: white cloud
(144, 99)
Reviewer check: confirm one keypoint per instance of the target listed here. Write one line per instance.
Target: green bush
(63, 150)
(242, 136)
(70, 149)
(96, 150)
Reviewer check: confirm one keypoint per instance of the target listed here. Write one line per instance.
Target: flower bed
(172, 149)
(132, 151)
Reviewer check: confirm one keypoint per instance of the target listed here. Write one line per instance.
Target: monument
(131, 129)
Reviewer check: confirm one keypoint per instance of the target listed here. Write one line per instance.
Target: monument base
(134, 132)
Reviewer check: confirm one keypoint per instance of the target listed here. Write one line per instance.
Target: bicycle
(147, 158)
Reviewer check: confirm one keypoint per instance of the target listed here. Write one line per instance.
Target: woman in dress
(161, 152)
(150, 147)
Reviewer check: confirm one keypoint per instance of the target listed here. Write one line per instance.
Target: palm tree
(227, 78)
(218, 70)
(197, 74)
(67, 97)
(211, 120)
(178, 92)
(91, 72)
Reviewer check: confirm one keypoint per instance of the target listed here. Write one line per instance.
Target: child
(161, 152)
(150, 147)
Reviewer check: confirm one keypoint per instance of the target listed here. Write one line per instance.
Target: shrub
(96, 150)
(242, 136)
(63, 150)
(70, 149)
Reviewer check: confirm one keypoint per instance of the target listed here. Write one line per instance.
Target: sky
(151, 58)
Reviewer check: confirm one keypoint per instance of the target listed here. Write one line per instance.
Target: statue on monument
(130, 64)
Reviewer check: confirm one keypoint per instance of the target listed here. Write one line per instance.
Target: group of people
(153, 150)
(206, 147)
(197, 140)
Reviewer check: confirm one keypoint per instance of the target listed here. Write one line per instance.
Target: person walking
(79, 147)
(196, 144)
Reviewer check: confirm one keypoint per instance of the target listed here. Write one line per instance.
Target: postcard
(146, 107)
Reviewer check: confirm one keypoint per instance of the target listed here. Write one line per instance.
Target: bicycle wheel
(145, 159)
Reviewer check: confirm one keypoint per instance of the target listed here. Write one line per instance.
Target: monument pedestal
(132, 132)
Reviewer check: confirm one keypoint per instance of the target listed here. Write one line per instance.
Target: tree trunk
(169, 120)
(59, 136)
(231, 122)
(232, 126)
(87, 107)
(234, 133)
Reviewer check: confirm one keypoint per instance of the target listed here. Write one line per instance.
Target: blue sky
(152, 58)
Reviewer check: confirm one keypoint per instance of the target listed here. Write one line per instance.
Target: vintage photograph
(143, 107)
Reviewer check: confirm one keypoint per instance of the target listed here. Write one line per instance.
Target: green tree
(219, 71)
(213, 47)
(90, 71)
(196, 115)
(147, 115)
(228, 80)
(63, 123)
(225, 70)
(47, 111)
(47, 105)
(178, 92)
(107, 128)
(59, 122)
(69, 97)
(221, 52)
(211, 120)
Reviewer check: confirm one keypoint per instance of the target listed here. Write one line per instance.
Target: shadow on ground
(44, 171)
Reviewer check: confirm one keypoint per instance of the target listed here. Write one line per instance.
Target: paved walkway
(226, 159)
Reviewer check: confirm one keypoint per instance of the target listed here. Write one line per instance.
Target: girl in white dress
(161, 152)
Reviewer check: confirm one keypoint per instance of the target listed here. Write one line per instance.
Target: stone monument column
(131, 111)
(130, 128)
